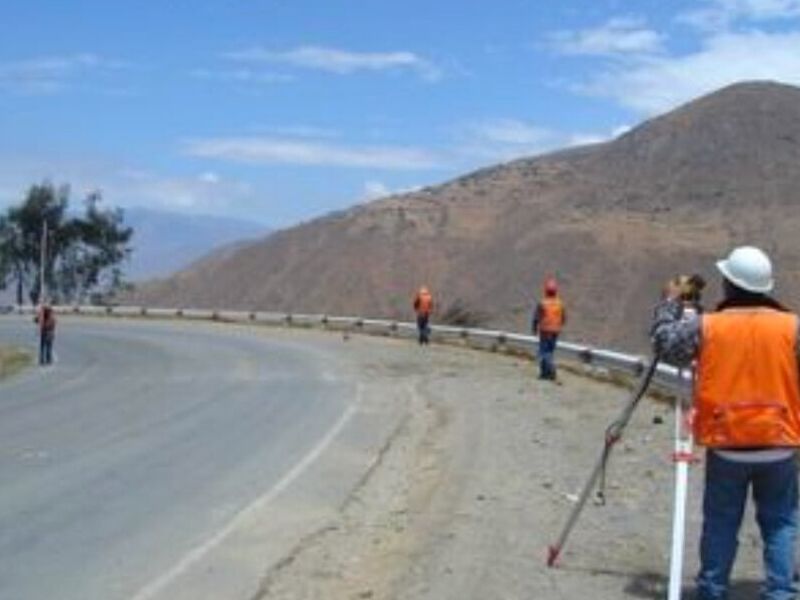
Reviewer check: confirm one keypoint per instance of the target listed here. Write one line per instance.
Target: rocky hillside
(611, 220)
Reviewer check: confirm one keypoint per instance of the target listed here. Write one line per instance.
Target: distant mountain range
(165, 242)
(612, 221)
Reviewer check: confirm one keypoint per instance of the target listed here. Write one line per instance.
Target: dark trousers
(774, 490)
(46, 347)
(547, 350)
(423, 330)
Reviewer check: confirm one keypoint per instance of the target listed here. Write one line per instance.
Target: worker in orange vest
(747, 414)
(423, 306)
(549, 318)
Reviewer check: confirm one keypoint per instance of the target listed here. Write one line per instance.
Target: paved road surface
(142, 442)
(161, 461)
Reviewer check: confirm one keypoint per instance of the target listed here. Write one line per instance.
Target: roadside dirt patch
(478, 479)
(12, 361)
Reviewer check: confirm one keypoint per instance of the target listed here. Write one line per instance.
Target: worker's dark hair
(739, 297)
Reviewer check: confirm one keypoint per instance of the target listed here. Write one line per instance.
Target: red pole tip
(552, 555)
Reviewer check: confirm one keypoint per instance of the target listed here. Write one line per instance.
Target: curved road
(143, 442)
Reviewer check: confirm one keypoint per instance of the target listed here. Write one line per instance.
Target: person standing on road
(423, 306)
(46, 320)
(747, 414)
(549, 317)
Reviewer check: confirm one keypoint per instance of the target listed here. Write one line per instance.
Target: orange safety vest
(423, 303)
(747, 392)
(552, 316)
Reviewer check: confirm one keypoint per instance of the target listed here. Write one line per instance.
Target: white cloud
(271, 150)
(510, 131)
(243, 75)
(209, 177)
(341, 62)
(651, 85)
(502, 139)
(377, 189)
(618, 36)
(506, 139)
(717, 15)
(584, 139)
(304, 131)
(205, 193)
(201, 193)
(47, 75)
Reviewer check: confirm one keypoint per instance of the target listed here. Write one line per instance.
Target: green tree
(83, 253)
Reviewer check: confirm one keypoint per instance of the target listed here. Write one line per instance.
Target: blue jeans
(547, 350)
(46, 347)
(775, 494)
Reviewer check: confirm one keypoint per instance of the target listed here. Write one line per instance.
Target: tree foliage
(84, 252)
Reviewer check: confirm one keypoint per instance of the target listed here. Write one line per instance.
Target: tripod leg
(613, 435)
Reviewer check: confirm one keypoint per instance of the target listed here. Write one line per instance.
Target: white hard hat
(748, 268)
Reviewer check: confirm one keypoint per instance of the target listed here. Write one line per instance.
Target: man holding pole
(747, 414)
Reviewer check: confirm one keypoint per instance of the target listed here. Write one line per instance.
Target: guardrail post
(586, 356)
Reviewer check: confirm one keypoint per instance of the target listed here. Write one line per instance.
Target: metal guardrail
(667, 378)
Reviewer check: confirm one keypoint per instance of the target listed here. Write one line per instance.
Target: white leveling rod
(613, 435)
(683, 456)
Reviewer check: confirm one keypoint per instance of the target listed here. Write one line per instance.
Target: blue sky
(280, 110)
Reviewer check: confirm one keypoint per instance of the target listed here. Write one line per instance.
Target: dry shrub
(460, 314)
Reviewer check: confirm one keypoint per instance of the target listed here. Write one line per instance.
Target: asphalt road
(135, 452)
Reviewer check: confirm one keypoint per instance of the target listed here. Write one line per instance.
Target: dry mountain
(612, 220)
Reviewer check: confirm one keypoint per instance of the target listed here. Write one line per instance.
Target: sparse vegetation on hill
(611, 220)
(459, 314)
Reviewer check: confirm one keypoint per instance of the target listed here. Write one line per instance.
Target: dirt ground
(12, 360)
(478, 478)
